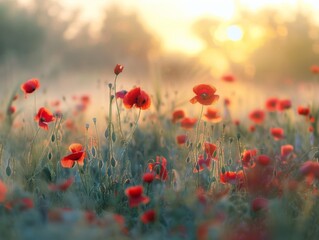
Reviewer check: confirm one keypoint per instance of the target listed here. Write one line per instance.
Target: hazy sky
(171, 19)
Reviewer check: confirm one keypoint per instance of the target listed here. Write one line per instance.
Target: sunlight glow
(234, 33)
(171, 21)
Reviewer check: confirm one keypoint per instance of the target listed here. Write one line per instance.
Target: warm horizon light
(172, 21)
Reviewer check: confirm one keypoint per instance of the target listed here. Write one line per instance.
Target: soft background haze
(73, 45)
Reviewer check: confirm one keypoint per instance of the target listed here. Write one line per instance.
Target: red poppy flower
(310, 170)
(227, 102)
(277, 133)
(202, 163)
(303, 111)
(284, 104)
(85, 99)
(259, 203)
(11, 110)
(213, 115)
(271, 104)
(252, 128)
(77, 155)
(286, 151)
(257, 116)
(44, 116)
(314, 69)
(263, 160)
(61, 186)
(137, 97)
(149, 216)
(178, 115)
(148, 177)
(135, 196)
(248, 157)
(3, 191)
(311, 129)
(159, 167)
(232, 177)
(188, 123)
(210, 149)
(228, 78)
(181, 139)
(30, 86)
(120, 94)
(21, 204)
(118, 69)
(205, 94)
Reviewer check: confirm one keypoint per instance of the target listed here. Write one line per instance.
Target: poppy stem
(129, 138)
(118, 110)
(110, 130)
(240, 157)
(196, 142)
(31, 146)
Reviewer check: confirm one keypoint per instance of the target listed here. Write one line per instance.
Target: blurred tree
(20, 34)
(121, 39)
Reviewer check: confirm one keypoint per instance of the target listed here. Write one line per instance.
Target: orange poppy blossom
(61, 186)
(30, 86)
(135, 196)
(78, 154)
(44, 116)
(137, 97)
(205, 94)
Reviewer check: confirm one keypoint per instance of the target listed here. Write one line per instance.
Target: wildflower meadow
(140, 173)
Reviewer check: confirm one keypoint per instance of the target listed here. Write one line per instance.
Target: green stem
(118, 110)
(129, 138)
(98, 140)
(110, 131)
(196, 143)
(31, 146)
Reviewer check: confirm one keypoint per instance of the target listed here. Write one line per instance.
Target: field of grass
(141, 173)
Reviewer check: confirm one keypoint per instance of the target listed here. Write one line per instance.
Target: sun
(234, 33)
